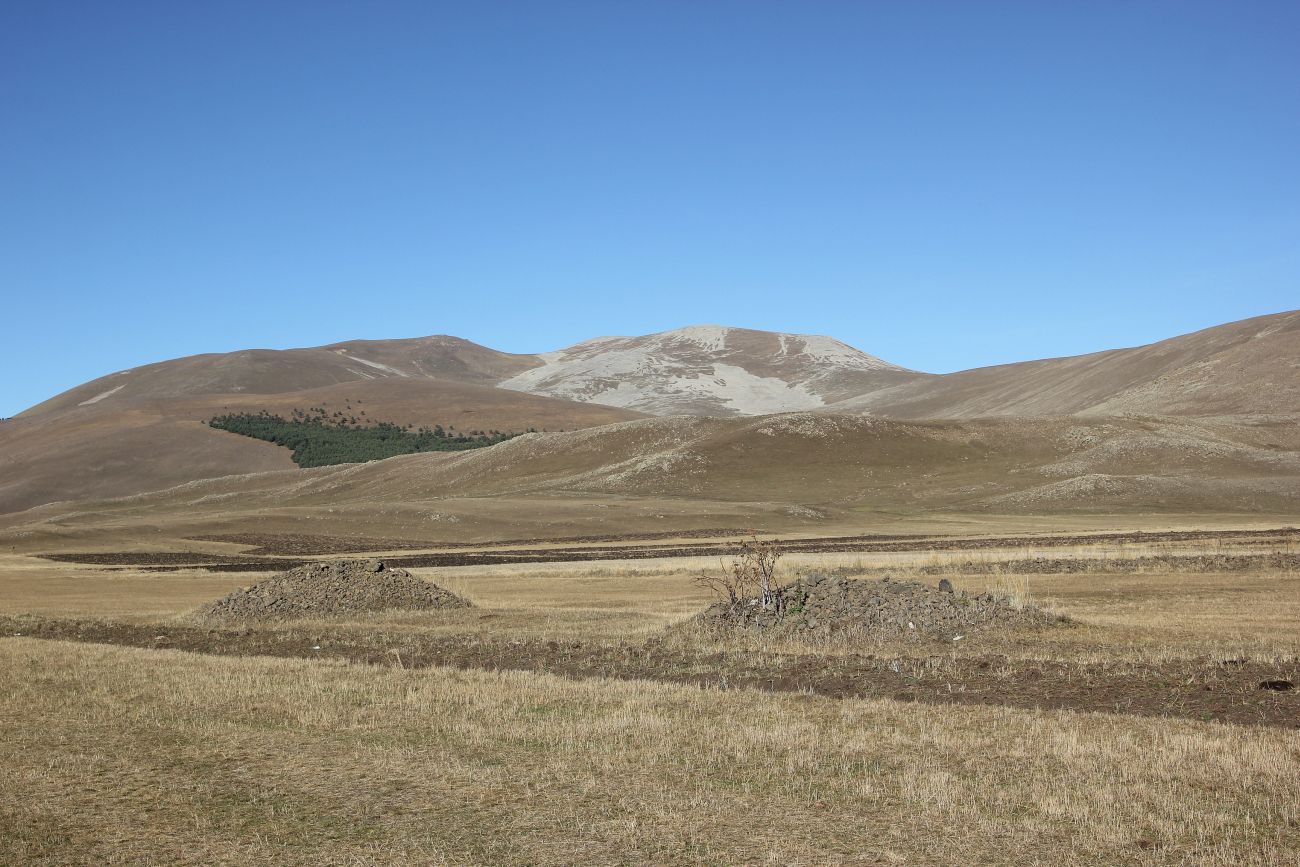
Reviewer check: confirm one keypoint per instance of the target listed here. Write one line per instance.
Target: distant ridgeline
(319, 439)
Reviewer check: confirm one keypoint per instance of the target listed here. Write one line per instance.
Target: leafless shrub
(751, 574)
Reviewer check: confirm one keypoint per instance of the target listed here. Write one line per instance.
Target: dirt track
(307, 544)
(1207, 690)
(460, 555)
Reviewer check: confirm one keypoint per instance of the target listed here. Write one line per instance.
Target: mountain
(1247, 367)
(1250, 366)
(1242, 368)
(142, 429)
(699, 370)
(710, 370)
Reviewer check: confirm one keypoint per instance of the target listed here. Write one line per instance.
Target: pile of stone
(822, 606)
(332, 589)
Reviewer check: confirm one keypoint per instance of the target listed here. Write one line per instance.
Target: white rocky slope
(709, 370)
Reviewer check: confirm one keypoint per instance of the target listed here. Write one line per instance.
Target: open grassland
(568, 719)
(133, 756)
(1162, 611)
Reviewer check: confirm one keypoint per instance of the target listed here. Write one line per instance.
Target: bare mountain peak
(708, 370)
(753, 344)
(722, 339)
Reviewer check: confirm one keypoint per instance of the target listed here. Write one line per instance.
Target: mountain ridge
(1250, 366)
(675, 372)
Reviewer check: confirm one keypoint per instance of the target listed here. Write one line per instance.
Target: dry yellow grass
(1148, 616)
(109, 755)
(127, 756)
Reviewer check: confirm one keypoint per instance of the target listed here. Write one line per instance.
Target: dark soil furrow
(1228, 691)
(1223, 562)
(269, 543)
(308, 544)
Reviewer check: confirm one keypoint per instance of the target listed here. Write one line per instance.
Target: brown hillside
(275, 371)
(792, 470)
(131, 446)
(1246, 367)
(839, 461)
(94, 454)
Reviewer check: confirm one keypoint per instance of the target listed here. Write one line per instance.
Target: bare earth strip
(1218, 690)
(870, 544)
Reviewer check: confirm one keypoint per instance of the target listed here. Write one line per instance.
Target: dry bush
(752, 574)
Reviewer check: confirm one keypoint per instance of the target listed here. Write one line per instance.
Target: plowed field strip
(1208, 690)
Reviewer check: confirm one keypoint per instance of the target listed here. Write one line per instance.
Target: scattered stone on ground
(332, 588)
(821, 606)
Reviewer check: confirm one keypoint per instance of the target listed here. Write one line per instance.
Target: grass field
(131, 755)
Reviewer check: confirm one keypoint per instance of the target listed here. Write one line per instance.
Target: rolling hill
(133, 444)
(791, 471)
(280, 371)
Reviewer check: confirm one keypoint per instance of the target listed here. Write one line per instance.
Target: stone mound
(329, 589)
(822, 606)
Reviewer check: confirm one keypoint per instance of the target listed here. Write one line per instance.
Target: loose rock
(884, 608)
(331, 589)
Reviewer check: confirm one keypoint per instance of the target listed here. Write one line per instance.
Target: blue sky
(945, 185)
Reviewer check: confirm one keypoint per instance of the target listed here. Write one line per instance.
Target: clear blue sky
(945, 185)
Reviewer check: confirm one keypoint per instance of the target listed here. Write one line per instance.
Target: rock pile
(330, 589)
(822, 606)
